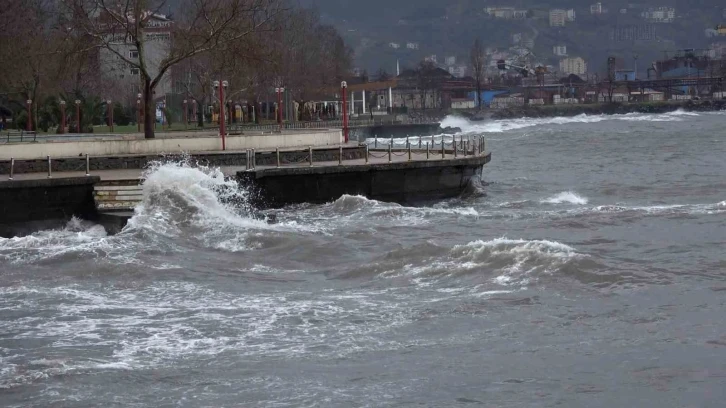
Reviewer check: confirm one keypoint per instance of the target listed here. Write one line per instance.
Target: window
(134, 71)
(134, 54)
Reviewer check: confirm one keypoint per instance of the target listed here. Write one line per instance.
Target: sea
(587, 268)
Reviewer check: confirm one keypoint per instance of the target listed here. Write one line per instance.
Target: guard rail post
(409, 152)
(443, 149)
(88, 165)
(277, 154)
(12, 167)
(456, 146)
(340, 155)
(375, 142)
(390, 147)
(427, 150)
(49, 168)
(367, 154)
(310, 153)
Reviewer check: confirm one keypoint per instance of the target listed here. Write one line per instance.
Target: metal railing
(465, 146)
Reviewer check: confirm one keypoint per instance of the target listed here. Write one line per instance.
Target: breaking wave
(503, 125)
(567, 197)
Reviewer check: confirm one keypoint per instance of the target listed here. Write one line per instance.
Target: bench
(20, 136)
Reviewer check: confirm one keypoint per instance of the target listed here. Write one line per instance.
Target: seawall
(401, 182)
(31, 205)
(395, 131)
(131, 145)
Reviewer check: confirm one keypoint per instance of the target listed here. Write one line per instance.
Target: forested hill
(447, 28)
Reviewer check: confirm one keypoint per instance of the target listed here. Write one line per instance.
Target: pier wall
(116, 147)
(403, 182)
(395, 131)
(31, 205)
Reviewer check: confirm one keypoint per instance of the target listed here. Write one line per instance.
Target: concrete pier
(33, 200)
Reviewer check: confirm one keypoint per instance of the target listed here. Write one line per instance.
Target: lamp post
(63, 116)
(344, 91)
(29, 124)
(279, 106)
(185, 114)
(109, 114)
(138, 113)
(230, 109)
(78, 116)
(222, 130)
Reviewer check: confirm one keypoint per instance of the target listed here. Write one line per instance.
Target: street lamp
(344, 91)
(279, 105)
(29, 123)
(63, 116)
(109, 115)
(78, 116)
(138, 113)
(222, 130)
(185, 114)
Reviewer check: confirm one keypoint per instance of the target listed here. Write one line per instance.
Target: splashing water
(566, 197)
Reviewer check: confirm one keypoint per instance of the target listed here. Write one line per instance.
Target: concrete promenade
(118, 145)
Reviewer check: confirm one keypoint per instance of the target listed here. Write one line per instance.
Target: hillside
(448, 28)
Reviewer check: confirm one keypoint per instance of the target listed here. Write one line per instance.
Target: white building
(506, 13)
(660, 14)
(394, 45)
(558, 18)
(431, 58)
(576, 66)
(596, 8)
(157, 45)
(458, 71)
(450, 60)
(560, 50)
(412, 46)
(571, 15)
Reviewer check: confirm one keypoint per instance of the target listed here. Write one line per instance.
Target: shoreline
(616, 108)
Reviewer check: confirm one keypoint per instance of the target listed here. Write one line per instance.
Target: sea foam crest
(566, 197)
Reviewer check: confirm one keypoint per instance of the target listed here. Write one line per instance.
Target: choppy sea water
(588, 268)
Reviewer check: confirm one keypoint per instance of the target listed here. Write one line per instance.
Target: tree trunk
(149, 110)
(478, 93)
(200, 114)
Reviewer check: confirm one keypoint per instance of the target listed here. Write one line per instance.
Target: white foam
(566, 197)
(504, 125)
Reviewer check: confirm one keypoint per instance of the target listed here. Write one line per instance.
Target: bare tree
(478, 62)
(30, 55)
(203, 26)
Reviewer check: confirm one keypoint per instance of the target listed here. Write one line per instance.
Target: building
(450, 60)
(625, 75)
(431, 58)
(571, 15)
(412, 46)
(596, 8)
(462, 103)
(458, 71)
(558, 18)
(394, 45)
(157, 45)
(506, 13)
(576, 66)
(660, 14)
(560, 50)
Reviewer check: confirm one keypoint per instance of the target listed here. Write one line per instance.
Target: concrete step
(117, 188)
(118, 195)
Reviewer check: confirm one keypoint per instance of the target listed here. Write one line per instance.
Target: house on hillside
(576, 66)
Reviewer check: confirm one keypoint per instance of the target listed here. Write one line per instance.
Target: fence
(464, 146)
